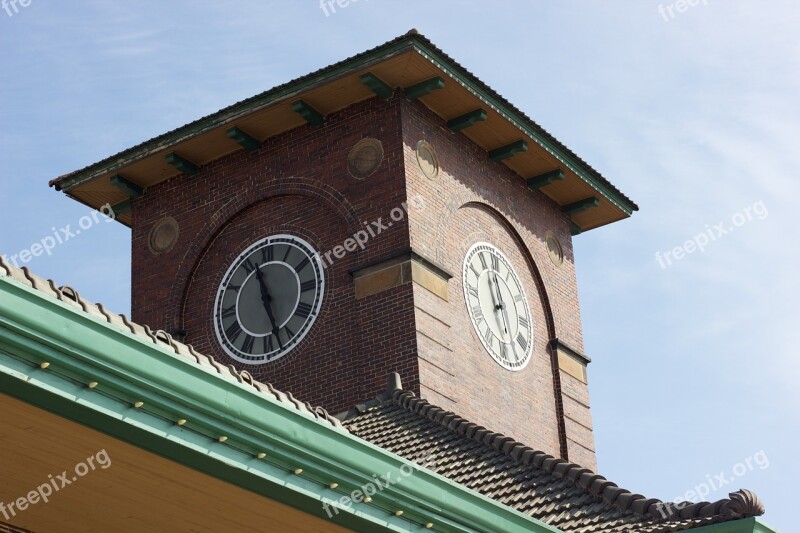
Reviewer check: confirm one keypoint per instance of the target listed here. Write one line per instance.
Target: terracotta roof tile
(555, 491)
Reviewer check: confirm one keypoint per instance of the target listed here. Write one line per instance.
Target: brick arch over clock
(531, 394)
(336, 356)
(267, 189)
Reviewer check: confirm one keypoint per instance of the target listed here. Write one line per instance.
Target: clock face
(269, 299)
(497, 306)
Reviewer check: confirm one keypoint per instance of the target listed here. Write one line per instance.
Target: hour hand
(266, 299)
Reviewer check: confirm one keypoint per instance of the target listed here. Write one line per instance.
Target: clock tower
(389, 213)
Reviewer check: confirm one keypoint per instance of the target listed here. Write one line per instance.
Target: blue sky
(693, 114)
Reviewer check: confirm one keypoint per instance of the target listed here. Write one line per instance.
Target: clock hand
(496, 305)
(501, 305)
(266, 299)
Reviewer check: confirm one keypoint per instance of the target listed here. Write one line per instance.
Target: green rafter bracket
(244, 140)
(122, 208)
(424, 87)
(581, 205)
(542, 180)
(509, 150)
(311, 115)
(467, 119)
(126, 186)
(183, 165)
(574, 229)
(377, 85)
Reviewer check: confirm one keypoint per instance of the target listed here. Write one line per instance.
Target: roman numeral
(477, 274)
(483, 260)
(504, 351)
(523, 322)
(303, 310)
(477, 312)
(249, 266)
(522, 343)
(247, 346)
(286, 255)
(289, 332)
(268, 254)
(233, 331)
(229, 312)
(304, 263)
(309, 285)
(495, 262)
(487, 336)
(518, 297)
(473, 291)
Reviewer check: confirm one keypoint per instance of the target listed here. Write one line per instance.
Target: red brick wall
(475, 199)
(297, 183)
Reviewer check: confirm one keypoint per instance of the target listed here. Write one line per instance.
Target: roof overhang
(65, 362)
(410, 61)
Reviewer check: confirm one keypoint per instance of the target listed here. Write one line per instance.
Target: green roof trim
(410, 41)
(81, 348)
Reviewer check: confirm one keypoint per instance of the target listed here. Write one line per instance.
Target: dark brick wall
(298, 183)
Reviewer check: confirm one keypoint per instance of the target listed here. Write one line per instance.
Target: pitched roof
(143, 164)
(555, 491)
(160, 338)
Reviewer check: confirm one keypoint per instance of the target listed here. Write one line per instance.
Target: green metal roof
(83, 343)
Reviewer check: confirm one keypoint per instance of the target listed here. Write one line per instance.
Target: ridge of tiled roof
(160, 338)
(409, 36)
(558, 492)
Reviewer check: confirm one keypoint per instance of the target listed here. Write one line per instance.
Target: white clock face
(268, 299)
(497, 306)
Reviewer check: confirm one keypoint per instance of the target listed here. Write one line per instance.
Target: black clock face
(268, 299)
(497, 306)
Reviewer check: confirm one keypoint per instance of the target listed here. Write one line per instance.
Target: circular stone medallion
(364, 158)
(554, 249)
(428, 162)
(163, 236)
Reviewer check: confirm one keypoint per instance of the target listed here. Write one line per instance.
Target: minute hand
(266, 299)
(501, 304)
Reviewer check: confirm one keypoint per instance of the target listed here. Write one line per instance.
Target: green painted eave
(745, 525)
(412, 41)
(81, 349)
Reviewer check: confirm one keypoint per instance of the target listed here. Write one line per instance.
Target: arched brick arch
(537, 275)
(288, 186)
(469, 200)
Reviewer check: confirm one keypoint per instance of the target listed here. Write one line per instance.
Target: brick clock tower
(389, 213)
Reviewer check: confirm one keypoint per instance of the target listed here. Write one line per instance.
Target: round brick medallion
(554, 249)
(164, 235)
(428, 162)
(365, 158)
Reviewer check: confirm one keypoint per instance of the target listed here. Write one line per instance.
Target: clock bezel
(314, 258)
